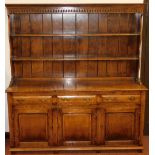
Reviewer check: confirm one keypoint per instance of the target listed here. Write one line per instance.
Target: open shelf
(71, 58)
(76, 35)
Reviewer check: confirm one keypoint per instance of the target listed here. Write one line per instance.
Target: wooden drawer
(32, 99)
(120, 98)
(74, 100)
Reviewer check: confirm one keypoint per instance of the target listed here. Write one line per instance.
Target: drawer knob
(131, 98)
(109, 99)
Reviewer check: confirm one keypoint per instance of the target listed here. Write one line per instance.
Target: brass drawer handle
(131, 98)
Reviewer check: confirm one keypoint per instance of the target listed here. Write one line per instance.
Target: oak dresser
(76, 77)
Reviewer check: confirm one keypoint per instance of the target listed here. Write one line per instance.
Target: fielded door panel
(77, 126)
(33, 122)
(122, 123)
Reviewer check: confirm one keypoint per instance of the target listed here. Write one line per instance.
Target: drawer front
(121, 98)
(32, 99)
(76, 100)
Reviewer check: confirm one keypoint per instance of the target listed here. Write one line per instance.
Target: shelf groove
(72, 59)
(76, 35)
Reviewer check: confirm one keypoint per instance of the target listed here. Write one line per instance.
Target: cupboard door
(32, 123)
(122, 123)
(76, 126)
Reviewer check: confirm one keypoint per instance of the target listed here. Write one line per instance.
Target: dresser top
(69, 84)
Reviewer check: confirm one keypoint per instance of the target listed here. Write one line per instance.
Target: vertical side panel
(48, 46)
(81, 44)
(37, 50)
(11, 23)
(25, 23)
(81, 69)
(81, 47)
(133, 23)
(69, 44)
(123, 40)
(57, 68)
(37, 69)
(102, 68)
(16, 27)
(36, 46)
(68, 23)
(48, 66)
(143, 102)
(103, 26)
(137, 125)
(47, 23)
(123, 46)
(57, 45)
(11, 119)
(81, 23)
(27, 69)
(93, 49)
(18, 69)
(26, 44)
(132, 68)
(55, 127)
(36, 23)
(16, 46)
(102, 47)
(57, 23)
(69, 52)
(69, 47)
(112, 46)
(124, 22)
(93, 28)
(93, 23)
(113, 42)
(111, 68)
(50, 128)
(113, 23)
(93, 126)
(60, 127)
(122, 68)
(17, 49)
(133, 46)
(48, 52)
(100, 126)
(92, 69)
(26, 47)
(16, 129)
(69, 69)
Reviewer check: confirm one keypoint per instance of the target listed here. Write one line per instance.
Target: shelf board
(75, 84)
(76, 35)
(71, 59)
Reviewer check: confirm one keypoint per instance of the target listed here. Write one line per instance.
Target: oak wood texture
(76, 74)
